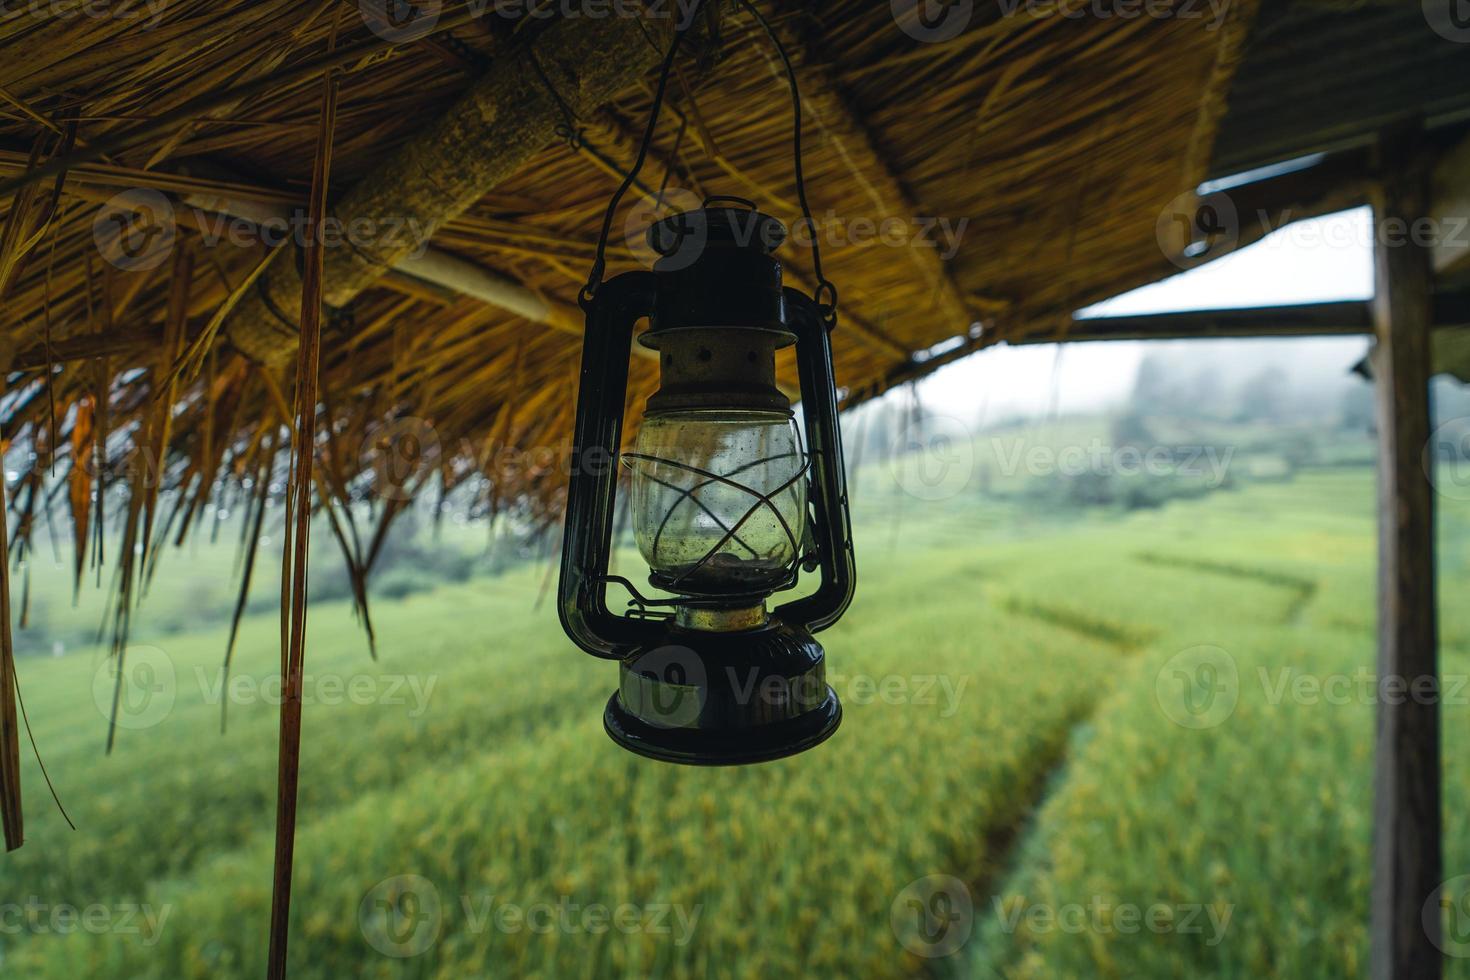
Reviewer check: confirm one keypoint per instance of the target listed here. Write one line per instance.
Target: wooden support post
(1407, 855)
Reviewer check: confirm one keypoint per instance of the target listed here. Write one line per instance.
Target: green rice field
(1110, 743)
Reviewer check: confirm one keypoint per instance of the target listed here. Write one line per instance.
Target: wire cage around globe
(719, 501)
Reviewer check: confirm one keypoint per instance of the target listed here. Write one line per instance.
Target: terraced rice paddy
(1025, 717)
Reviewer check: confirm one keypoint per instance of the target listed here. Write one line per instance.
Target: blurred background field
(1011, 672)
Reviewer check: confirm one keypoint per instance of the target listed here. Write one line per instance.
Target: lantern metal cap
(719, 314)
(723, 222)
(716, 269)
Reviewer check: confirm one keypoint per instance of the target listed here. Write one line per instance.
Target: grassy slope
(507, 787)
(1269, 812)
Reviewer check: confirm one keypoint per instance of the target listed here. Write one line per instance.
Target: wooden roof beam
(491, 132)
(1345, 318)
(430, 274)
(1344, 180)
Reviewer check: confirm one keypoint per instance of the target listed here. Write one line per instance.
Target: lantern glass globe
(699, 477)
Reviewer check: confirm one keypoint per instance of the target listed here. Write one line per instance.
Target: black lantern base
(720, 699)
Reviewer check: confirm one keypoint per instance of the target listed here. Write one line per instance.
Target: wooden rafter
(505, 119)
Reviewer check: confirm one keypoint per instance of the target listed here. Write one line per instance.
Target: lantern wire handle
(599, 264)
(826, 293)
(826, 296)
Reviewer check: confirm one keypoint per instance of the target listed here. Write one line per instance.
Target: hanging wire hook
(825, 287)
(568, 130)
(599, 264)
(826, 291)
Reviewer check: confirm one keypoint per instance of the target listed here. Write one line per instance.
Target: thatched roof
(1047, 144)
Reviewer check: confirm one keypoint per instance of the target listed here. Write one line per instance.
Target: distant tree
(1263, 397)
(1205, 398)
(1357, 407)
(1131, 429)
(1152, 388)
(1449, 398)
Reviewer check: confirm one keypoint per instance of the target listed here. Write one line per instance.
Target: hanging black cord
(569, 131)
(826, 295)
(825, 287)
(599, 264)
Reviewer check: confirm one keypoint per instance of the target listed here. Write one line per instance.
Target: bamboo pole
(10, 799)
(484, 138)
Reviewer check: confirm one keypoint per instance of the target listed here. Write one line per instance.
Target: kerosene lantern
(731, 501)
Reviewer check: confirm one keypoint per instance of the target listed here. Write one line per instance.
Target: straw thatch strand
(489, 134)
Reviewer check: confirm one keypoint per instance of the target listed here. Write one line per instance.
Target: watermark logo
(1447, 459)
(401, 455)
(671, 249)
(401, 916)
(1450, 19)
(932, 21)
(1198, 687)
(933, 916)
(401, 21)
(934, 458)
(143, 683)
(1101, 917)
(37, 917)
(665, 686)
(1208, 464)
(1446, 917)
(1193, 229)
(147, 12)
(135, 230)
(404, 917)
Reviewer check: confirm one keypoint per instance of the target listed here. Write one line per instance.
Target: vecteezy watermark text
(146, 12)
(1101, 917)
(411, 691)
(1210, 463)
(1201, 687)
(37, 917)
(331, 232)
(140, 689)
(934, 917)
(938, 21)
(135, 230)
(403, 916)
(402, 21)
